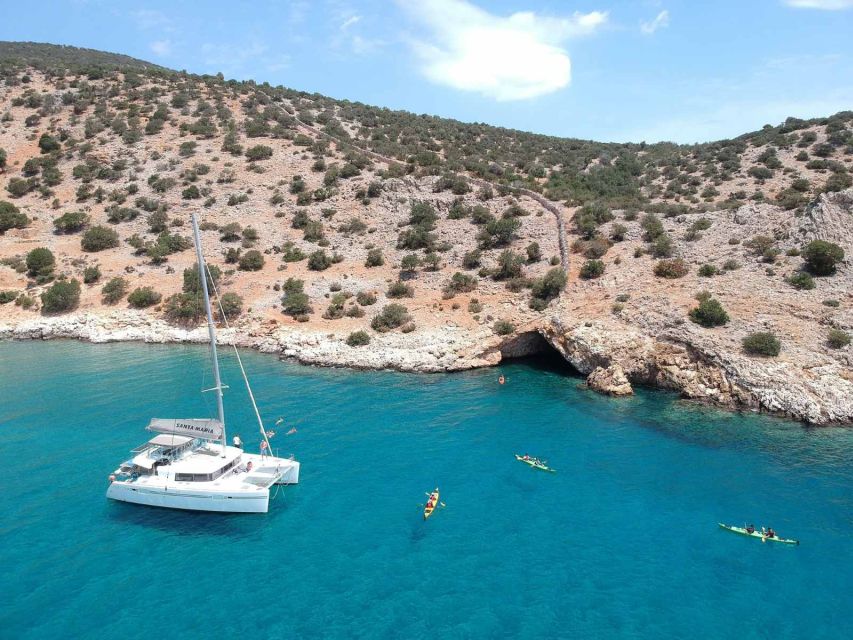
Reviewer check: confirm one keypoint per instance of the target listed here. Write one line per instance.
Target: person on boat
(248, 466)
(501, 380)
(263, 448)
(750, 528)
(237, 442)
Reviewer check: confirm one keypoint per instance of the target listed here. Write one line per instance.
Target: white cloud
(826, 5)
(349, 22)
(661, 21)
(161, 47)
(517, 57)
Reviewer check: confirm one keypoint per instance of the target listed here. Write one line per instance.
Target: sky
(610, 70)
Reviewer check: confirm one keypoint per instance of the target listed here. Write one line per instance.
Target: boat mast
(202, 272)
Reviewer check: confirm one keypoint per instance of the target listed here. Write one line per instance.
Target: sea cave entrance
(532, 348)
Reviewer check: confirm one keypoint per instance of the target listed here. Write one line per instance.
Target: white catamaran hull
(176, 498)
(239, 492)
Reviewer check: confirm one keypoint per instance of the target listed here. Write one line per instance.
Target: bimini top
(168, 440)
(206, 428)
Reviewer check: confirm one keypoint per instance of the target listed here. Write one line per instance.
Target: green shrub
(48, 143)
(40, 263)
(509, 265)
(114, 290)
(374, 258)
(801, 280)
(191, 193)
(358, 339)
(460, 283)
(675, 268)
(708, 271)
(183, 307)
(550, 285)
(319, 261)
(410, 262)
(292, 253)
(838, 339)
(252, 261)
(392, 316)
(709, 313)
(192, 282)
(91, 274)
(71, 221)
(822, 256)
(7, 296)
(61, 296)
(231, 304)
(11, 217)
(400, 290)
(592, 269)
(761, 344)
(471, 260)
(503, 327)
(832, 303)
(99, 238)
(143, 297)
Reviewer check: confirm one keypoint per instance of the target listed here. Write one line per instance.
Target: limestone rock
(610, 380)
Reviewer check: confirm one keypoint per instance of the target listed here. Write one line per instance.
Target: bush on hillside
(114, 290)
(358, 338)
(143, 297)
(592, 269)
(709, 313)
(231, 304)
(675, 268)
(822, 256)
(801, 280)
(503, 327)
(761, 344)
(252, 261)
(392, 316)
(11, 217)
(99, 238)
(40, 263)
(60, 297)
(837, 339)
(71, 222)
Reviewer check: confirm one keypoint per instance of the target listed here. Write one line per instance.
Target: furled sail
(206, 428)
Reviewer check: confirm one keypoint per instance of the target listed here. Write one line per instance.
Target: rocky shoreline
(612, 358)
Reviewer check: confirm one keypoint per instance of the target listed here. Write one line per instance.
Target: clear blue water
(621, 543)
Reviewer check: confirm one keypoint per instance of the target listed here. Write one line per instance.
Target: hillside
(354, 235)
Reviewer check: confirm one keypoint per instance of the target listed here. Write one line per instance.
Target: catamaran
(189, 465)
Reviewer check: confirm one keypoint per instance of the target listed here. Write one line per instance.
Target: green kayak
(535, 463)
(756, 534)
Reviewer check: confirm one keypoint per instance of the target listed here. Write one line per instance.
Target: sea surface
(621, 542)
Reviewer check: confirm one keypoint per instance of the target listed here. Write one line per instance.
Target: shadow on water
(198, 524)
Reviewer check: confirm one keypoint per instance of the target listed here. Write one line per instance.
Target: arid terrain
(350, 235)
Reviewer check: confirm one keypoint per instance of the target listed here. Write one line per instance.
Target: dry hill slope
(346, 234)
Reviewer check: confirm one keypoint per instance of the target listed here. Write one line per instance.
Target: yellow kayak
(431, 504)
(535, 463)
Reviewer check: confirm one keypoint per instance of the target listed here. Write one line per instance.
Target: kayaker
(770, 532)
(750, 529)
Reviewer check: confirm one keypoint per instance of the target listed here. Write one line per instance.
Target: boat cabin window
(207, 477)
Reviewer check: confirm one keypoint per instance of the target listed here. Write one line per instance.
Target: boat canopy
(169, 440)
(206, 428)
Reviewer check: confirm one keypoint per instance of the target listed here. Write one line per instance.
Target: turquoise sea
(622, 542)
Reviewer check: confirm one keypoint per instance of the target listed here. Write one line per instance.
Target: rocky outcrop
(678, 360)
(610, 380)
